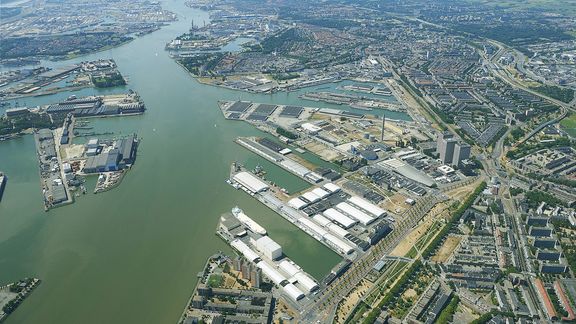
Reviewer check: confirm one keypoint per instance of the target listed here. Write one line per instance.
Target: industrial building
(367, 206)
(245, 250)
(322, 234)
(331, 188)
(16, 112)
(250, 182)
(297, 203)
(355, 213)
(121, 155)
(231, 226)
(268, 247)
(345, 221)
(295, 274)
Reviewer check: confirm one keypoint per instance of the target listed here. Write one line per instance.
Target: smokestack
(383, 122)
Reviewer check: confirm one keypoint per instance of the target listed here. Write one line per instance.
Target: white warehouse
(340, 218)
(297, 203)
(321, 220)
(310, 196)
(250, 182)
(330, 187)
(318, 230)
(357, 214)
(269, 247)
(340, 245)
(245, 250)
(293, 292)
(306, 282)
(367, 206)
(321, 193)
(271, 273)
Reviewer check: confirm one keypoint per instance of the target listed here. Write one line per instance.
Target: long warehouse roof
(321, 220)
(306, 282)
(337, 230)
(297, 203)
(270, 272)
(342, 246)
(331, 187)
(321, 192)
(355, 213)
(311, 197)
(251, 182)
(245, 250)
(312, 226)
(250, 224)
(367, 206)
(288, 268)
(340, 218)
(293, 292)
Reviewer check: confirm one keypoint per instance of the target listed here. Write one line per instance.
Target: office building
(461, 152)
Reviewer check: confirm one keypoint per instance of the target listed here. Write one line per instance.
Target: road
(499, 71)
(324, 307)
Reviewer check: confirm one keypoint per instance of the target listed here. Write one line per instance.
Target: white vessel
(248, 222)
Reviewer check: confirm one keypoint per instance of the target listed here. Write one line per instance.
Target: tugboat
(3, 180)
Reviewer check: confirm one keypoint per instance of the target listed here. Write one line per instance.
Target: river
(131, 255)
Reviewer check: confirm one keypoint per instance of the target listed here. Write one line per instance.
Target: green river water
(131, 255)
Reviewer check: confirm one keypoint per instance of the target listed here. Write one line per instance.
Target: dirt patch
(396, 203)
(321, 150)
(351, 300)
(410, 293)
(410, 240)
(447, 248)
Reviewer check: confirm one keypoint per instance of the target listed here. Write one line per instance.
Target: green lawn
(568, 124)
(215, 281)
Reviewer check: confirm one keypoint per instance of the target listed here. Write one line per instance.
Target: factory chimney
(383, 122)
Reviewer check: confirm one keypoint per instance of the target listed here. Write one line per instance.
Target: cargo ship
(3, 180)
(248, 222)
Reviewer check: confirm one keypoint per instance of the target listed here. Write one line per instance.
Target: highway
(499, 71)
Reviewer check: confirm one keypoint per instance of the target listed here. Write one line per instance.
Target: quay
(54, 187)
(281, 160)
(12, 295)
(346, 224)
(242, 179)
(265, 254)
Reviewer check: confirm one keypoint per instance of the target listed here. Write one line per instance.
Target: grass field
(568, 124)
(215, 281)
